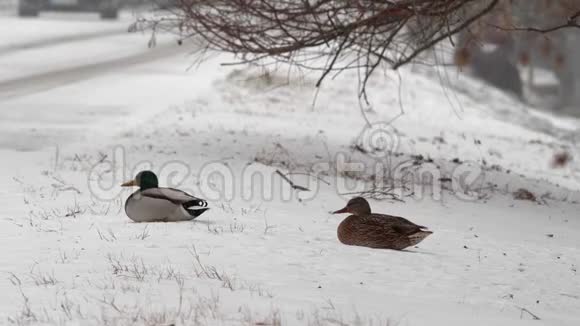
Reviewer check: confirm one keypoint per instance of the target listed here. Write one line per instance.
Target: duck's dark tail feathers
(196, 207)
(417, 237)
(196, 211)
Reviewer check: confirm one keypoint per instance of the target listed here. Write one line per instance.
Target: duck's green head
(143, 180)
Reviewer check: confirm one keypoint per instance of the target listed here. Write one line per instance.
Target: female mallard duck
(153, 204)
(366, 229)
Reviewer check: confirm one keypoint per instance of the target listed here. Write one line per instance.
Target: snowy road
(7, 48)
(52, 79)
(87, 75)
(51, 29)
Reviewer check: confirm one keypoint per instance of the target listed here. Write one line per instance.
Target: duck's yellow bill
(131, 183)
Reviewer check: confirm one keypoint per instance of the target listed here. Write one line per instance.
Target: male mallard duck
(366, 229)
(153, 204)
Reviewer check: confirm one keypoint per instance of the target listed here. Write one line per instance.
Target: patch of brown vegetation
(524, 194)
(561, 159)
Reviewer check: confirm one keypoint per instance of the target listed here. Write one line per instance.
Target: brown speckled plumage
(377, 230)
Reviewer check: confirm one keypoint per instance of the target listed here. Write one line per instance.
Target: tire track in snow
(8, 49)
(45, 81)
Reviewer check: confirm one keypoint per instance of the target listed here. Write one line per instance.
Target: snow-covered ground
(264, 254)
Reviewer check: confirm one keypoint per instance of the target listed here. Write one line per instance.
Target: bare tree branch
(325, 35)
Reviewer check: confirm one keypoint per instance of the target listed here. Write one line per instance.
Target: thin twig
(292, 184)
(534, 316)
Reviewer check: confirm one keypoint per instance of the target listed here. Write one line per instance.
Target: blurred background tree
(495, 40)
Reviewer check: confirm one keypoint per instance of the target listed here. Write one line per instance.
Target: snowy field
(77, 123)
